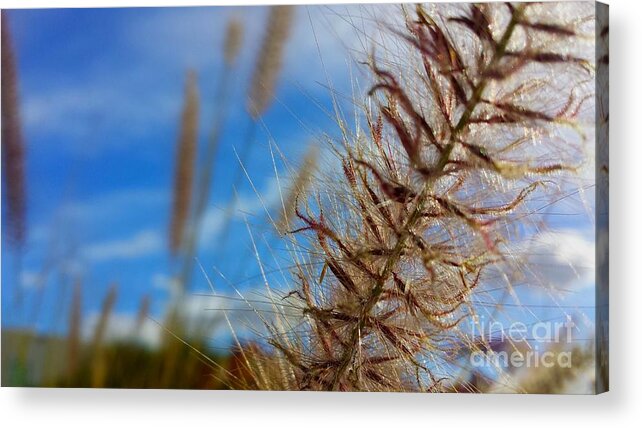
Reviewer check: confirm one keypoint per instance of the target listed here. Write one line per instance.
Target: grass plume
(231, 49)
(261, 94)
(233, 41)
(13, 148)
(423, 214)
(185, 156)
(300, 183)
(268, 65)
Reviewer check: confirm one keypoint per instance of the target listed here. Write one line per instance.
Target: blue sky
(101, 95)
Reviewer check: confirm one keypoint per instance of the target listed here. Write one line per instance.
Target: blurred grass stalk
(13, 181)
(231, 49)
(185, 156)
(299, 185)
(260, 96)
(72, 360)
(13, 147)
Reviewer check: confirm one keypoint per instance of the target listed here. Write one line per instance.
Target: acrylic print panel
(408, 198)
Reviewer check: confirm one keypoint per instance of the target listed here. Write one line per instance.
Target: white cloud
(165, 42)
(205, 314)
(114, 203)
(164, 282)
(559, 259)
(213, 221)
(30, 279)
(193, 37)
(124, 328)
(101, 209)
(141, 244)
(188, 37)
(247, 204)
(33, 279)
(202, 316)
(73, 219)
(99, 110)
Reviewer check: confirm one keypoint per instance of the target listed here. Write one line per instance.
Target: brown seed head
(13, 150)
(233, 41)
(268, 65)
(185, 156)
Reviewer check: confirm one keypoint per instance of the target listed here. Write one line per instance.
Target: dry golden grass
(465, 130)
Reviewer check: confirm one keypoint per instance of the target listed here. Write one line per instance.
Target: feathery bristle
(185, 157)
(268, 65)
(13, 150)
